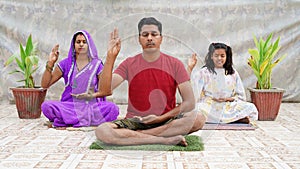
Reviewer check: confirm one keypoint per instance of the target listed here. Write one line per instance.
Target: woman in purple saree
(80, 105)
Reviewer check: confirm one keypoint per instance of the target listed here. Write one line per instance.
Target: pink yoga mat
(233, 126)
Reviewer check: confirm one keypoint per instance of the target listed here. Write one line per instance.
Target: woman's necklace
(74, 85)
(81, 66)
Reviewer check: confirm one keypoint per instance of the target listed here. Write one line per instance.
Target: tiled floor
(29, 144)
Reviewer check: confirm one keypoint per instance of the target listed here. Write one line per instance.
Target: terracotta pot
(28, 101)
(267, 102)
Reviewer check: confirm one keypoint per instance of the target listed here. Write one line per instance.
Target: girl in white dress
(218, 88)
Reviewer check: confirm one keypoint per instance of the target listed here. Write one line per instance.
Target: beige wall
(187, 27)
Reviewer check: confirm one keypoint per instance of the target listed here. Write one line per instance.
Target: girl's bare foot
(243, 120)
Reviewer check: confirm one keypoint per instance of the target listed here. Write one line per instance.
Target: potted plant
(266, 98)
(29, 97)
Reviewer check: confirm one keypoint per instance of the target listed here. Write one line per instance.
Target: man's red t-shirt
(151, 85)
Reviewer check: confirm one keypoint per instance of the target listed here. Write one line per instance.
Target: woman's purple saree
(70, 111)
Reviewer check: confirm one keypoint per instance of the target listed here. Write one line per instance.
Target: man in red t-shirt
(153, 78)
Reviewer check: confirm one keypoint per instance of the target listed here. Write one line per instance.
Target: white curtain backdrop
(188, 27)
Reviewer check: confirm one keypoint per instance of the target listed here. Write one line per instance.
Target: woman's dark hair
(75, 36)
(228, 64)
(149, 21)
(74, 41)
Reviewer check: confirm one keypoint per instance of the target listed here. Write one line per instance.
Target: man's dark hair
(149, 21)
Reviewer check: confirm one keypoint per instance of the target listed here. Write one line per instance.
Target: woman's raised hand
(53, 56)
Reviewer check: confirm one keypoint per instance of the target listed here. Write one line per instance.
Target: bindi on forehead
(80, 37)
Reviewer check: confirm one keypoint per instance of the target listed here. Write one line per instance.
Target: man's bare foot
(177, 140)
(183, 143)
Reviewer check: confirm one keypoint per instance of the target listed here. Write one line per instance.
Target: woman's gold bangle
(50, 69)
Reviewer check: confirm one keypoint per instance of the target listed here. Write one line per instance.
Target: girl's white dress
(207, 85)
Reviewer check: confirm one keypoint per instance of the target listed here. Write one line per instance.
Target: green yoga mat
(194, 144)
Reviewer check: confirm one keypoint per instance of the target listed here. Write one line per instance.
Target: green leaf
(28, 64)
(255, 54)
(21, 80)
(34, 60)
(263, 66)
(255, 42)
(272, 54)
(261, 60)
(275, 48)
(10, 60)
(14, 71)
(260, 49)
(34, 70)
(34, 49)
(277, 61)
(268, 39)
(20, 64)
(267, 54)
(256, 74)
(252, 64)
(27, 61)
(30, 82)
(29, 46)
(266, 47)
(22, 54)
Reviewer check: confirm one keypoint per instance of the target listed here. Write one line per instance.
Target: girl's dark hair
(228, 64)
